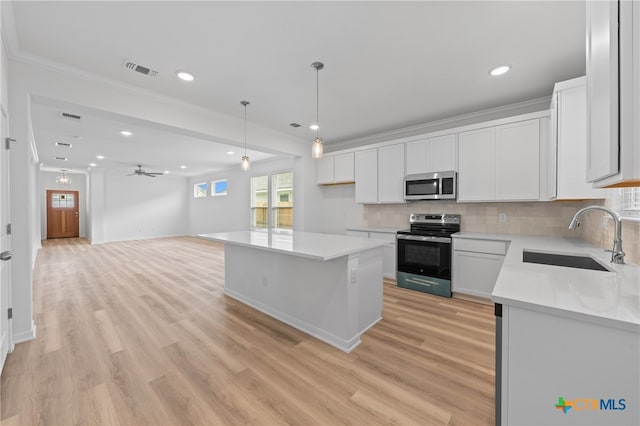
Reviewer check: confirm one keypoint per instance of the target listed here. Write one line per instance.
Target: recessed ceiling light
(183, 167)
(502, 69)
(166, 172)
(125, 133)
(314, 127)
(230, 152)
(185, 76)
(100, 157)
(92, 164)
(76, 137)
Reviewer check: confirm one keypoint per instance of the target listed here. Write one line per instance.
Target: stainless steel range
(424, 253)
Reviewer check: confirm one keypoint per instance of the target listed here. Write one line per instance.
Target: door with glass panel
(272, 201)
(62, 214)
(282, 201)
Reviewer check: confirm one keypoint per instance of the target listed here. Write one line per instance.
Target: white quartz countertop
(381, 229)
(608, 298)
(305, 244)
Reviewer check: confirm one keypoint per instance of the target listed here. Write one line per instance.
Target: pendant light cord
(317, 101)
(245, 129)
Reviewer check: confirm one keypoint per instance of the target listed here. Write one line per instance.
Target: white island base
(334, 297)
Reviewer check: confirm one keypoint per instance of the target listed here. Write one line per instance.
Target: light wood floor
(140, 333)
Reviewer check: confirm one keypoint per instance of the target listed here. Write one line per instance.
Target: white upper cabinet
(568, 145)
(518, 161)
(324, 170)
(613, 93)
(339, 168)
(344, 167)
(367, 176)
(380, 174)
(391, 174)
(431, 155)
(602, 89)
(477, 165)
(500, 163)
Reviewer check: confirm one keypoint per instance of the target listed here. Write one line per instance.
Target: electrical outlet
(502, 217)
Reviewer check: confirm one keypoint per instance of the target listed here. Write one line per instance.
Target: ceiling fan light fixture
(244, 163)
(317, 146)
(126, 132)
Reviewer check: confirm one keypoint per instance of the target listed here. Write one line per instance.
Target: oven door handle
(424, 238)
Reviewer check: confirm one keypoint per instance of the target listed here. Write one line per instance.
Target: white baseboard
(345, 345)
(25, 336)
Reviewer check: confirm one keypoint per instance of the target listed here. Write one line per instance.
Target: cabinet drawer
(480, 246)
(391, 238)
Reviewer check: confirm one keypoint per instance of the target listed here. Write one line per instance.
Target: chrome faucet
(617, 255)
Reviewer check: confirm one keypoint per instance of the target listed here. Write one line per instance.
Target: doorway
(62, 214)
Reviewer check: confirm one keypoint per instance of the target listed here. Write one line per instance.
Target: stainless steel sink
(567, 260)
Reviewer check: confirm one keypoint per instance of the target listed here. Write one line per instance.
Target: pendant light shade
(317, 148)
(64, 178)
(244, 163)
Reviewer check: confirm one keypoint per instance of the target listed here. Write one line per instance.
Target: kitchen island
(329, 286)
(568, 339)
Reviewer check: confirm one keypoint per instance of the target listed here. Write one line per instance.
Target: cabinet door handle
(6, 255)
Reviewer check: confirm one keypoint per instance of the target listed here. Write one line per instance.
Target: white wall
(138, 207)
(232, 211)
(47, 181)
(339, 208)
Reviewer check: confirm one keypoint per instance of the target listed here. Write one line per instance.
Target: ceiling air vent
(65, 144)
(61, 158)
(70, 116)
(294, 125)
(129, 64)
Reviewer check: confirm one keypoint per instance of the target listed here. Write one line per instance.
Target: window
(272, 194)
(282, 204)
(259, 201)
(200, 190)
(630, 202)
(218, 187)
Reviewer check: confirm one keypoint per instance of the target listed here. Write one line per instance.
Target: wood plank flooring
(140, 333)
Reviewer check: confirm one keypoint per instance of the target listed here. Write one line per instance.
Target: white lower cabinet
(476, 265)
(388, 250)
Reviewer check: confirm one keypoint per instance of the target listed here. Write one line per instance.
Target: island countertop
(609, 298)
(297, 243)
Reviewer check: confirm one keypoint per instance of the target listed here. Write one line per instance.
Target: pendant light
(64, 178)
(244, 164)
(317, 147)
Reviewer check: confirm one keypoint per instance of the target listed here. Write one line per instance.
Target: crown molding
(518, 108)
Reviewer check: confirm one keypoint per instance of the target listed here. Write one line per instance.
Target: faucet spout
(617, 255)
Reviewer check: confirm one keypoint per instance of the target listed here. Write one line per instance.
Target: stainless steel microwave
(431, 186)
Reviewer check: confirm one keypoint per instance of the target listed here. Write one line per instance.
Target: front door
(62, 214)
(5, 244)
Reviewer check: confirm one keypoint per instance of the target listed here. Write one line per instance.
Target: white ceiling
(388, 65)
(157, 150)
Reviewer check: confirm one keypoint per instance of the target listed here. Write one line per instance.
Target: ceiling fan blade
(132, 174)
(155, 173)
(149, 174)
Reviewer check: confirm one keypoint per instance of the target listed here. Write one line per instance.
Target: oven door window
(425, 258)
(422, 187)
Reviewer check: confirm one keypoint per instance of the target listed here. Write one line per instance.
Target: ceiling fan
(141, 172)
